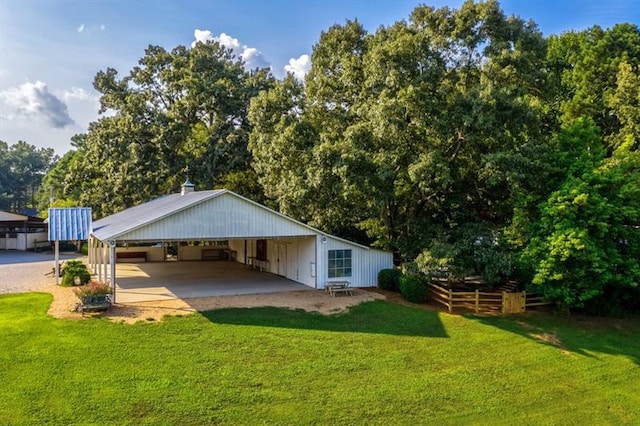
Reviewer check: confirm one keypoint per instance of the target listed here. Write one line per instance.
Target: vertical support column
(98, 255)
(104, 262)
(57, 260)
(112, 261)
(89, 253)
(92, 255)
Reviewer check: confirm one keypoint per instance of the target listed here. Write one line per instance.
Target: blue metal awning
(69, 223)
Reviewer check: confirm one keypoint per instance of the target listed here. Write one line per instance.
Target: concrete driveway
(151, 281)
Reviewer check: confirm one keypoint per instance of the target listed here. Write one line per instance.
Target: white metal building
(222, 224)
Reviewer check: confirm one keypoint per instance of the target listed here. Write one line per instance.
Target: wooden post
(450, 301)
(504, 302)
(524, 302)
(477, 301)
(57, 257)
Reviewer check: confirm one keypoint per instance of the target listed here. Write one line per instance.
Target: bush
(72, 269)
(413, 288)
(389, 279)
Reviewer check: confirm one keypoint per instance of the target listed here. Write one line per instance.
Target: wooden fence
(503, 301)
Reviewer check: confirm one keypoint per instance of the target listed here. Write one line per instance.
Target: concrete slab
(145, 282)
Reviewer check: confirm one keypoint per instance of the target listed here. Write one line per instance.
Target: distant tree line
(22, 168)
(462, 140)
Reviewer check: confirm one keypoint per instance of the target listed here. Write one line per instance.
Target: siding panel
(222, 217)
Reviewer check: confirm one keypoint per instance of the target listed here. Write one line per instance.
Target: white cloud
(76, 93)
(93, 27)
(299, 67)
(33, 101)
(251, 56)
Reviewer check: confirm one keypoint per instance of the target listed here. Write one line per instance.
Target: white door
(282, 260)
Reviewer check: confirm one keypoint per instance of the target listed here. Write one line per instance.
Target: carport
(213, 232)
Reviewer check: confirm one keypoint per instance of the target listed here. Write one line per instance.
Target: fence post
(450, 301)
(504, 302)
(477, 301)
(524, 302)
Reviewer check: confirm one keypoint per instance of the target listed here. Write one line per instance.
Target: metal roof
(134, 217)
(8, 216)
(146, 216)
(69, 223)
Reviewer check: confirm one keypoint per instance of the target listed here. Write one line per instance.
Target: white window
(339, 263)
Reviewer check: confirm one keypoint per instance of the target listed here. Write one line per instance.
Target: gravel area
(22, 271)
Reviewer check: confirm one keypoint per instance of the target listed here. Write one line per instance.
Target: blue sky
(50, 50)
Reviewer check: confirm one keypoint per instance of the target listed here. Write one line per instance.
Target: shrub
(413, 288)
(72, 269)
(389, 279)
(93, 288)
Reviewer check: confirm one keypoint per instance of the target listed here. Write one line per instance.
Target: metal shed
(221, 224)
(20, 231)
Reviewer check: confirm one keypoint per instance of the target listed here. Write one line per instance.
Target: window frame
(339, 263)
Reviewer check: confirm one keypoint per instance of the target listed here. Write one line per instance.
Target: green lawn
(380, 363)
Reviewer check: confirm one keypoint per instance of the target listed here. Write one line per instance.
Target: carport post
(99, 261)
(57, 257)
(104, 261)
(112, 260)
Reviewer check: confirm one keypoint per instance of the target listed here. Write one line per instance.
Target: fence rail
(504, 302)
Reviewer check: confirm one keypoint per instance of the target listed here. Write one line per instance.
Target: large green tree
(417, 134)
(22, 167)
(178, 113)
(585, 251)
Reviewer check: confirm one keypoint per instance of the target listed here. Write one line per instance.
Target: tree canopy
(177, 113)
(22, 167)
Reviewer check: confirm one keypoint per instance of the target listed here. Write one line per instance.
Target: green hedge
(389, 279)
(413, 288)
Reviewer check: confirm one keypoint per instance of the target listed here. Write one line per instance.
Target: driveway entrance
(143, 282)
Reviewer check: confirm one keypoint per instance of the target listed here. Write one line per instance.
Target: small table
(335, 287)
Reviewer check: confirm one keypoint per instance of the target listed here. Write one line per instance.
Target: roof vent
(187, 187)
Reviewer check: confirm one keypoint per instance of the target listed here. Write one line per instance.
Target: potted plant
(94, 295)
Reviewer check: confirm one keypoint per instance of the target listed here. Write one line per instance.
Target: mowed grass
(380, 363)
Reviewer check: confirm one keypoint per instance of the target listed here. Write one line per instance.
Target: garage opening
(184, 269)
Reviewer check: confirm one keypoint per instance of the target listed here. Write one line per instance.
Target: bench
(94, 303)
(336, 287)
(215, 254)
(132, 256)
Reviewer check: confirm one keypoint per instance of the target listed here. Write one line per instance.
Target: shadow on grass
(376, 317)
(580, 335)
